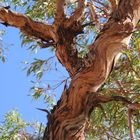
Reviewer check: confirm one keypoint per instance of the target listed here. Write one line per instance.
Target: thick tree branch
(113, 5)
(66, 53)
(67, 29)
(94, 99)
(66, 50)
(68, 56)
(27, 25)
(60, 15)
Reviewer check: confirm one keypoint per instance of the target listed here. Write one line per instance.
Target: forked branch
(49, 34)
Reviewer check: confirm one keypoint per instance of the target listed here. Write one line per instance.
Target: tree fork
(66, 50)
(71, 114)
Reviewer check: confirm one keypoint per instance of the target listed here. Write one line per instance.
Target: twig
(44, 110)
(77, 14)
(130, 124)
(39, 131)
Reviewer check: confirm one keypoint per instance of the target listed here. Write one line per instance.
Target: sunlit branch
(130, 124)
(27, 25)
(97, 98)
(93, 14)
(60, 15)
(113, 4)
(77, 14)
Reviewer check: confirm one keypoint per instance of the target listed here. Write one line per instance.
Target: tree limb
(93, 14)
(27, 25)
(95, 99)
(60, 15)
(67, 54)
(67, 29)
(113, 5)
(77, 14)
(47, 33)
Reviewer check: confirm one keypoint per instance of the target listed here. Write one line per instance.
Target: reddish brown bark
(68, 119)
(27, 25)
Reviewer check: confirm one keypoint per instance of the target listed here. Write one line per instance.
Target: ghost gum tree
(116, 21)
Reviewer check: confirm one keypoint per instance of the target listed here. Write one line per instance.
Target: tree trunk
(68, 119)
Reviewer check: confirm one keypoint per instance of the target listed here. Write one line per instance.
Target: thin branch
(93, 14)
(104, 10)
(130, 124)
(92, 23)
(27, 25)
(96, 98)
(77, 14)
(101, 3)
(39, 133)
(46, 44)
(44, 110)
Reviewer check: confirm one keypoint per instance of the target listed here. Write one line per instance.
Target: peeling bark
(68, 119)
(70, 116)
(68, 57)
(27, 25)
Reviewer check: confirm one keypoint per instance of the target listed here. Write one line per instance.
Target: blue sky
(14, 83)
